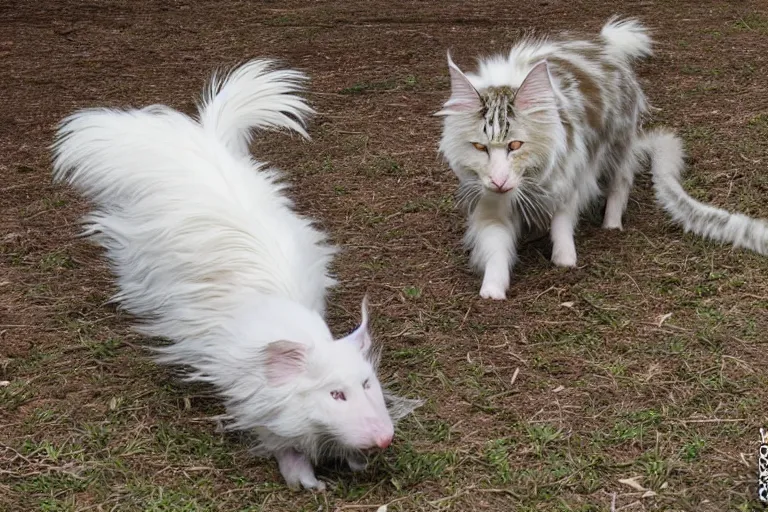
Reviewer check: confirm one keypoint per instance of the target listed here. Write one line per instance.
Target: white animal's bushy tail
(626, 38)
(253, 96)
(187, 218)
(667, 162)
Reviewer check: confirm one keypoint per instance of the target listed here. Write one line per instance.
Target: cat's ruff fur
(209, 254)
(576, 106)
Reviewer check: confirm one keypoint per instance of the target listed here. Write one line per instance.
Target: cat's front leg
(561, 232)
(492, 237)
(297, 470)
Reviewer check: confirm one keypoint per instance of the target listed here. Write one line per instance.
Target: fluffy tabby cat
(533, 135)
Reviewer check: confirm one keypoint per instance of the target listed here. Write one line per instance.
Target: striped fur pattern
(537, 135)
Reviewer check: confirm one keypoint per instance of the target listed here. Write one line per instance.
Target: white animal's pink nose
(384, 442)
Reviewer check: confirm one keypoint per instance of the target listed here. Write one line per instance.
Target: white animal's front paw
(609, 223)
(493, 291)
(564, 257)
(297, 470)
(313, 484)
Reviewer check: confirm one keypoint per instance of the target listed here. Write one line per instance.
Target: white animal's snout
(381, 432)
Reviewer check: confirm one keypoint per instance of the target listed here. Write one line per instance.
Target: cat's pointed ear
(464, 97)
(360, 337)
(536, 94)
(285, 360)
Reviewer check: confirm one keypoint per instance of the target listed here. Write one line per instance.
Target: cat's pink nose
(384, 442)
(500, 186)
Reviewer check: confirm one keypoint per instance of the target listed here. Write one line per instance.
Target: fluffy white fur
(209, 254)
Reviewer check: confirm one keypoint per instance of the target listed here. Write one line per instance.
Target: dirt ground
(638, 377)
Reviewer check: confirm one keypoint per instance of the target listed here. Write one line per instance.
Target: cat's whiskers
(469, 193)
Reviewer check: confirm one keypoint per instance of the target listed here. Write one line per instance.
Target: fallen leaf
(382, 508)
(662, 318)
(558, 389)
(567, 304)
(633, 483)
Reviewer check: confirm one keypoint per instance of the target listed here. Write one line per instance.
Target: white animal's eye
(515, 145)
(479, 146)
(339, 395)
(366, 384)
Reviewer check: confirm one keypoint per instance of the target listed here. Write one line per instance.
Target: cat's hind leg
(491, 236)
(619, 186)
(561, 231)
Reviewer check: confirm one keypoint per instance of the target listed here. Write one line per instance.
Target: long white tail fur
(667, 162)
(253, 96)
(187, 218)
(626, 38)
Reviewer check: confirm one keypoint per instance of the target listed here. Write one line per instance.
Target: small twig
(514, 377)
(715, 420)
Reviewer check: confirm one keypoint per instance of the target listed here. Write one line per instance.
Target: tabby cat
(537, 135)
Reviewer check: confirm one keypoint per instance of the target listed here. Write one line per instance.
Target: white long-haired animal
(209, 254)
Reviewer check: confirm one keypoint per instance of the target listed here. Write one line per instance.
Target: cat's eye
(479, 146)
(366, 384)
(515, 145)
(338, 395)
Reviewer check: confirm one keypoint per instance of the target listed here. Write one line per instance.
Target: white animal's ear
(360, 337)
(464, 97)
(285, 360)
(536, 95)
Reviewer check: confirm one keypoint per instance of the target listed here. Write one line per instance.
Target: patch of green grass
(698, 134)
(406, 83)
(412, 466)
(752, 22)
(541, 436)
(55, 261)
(102, 350)
(692, 449)
(52, 484)
(182, 444)
(15, 394)
(759, 124)
(383, 165)
(443, 204)
(438, 430)
(497, 456)
(412, 292)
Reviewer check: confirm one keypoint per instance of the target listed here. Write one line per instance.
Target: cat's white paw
(612, 224)
(564, 258)
(493, 291)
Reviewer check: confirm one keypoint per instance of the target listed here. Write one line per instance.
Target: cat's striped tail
(667, 162)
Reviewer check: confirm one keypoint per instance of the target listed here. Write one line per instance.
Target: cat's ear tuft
(536, 96)
(464, 97)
